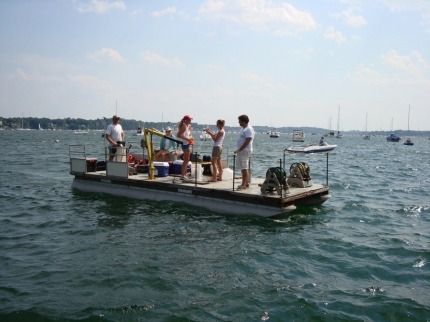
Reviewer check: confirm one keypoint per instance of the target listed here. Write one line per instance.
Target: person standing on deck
(244, 149)
(218, 138)
(114, 135)
(184, 133)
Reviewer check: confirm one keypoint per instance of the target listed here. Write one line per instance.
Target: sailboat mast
(366, 122)
(409, 113)
(162, 122)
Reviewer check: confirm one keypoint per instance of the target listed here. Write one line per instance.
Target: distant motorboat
(408, 142)
(393, 137)
(298, 136)
(80, 132)
(329, 134)
(274, 134)
(139, 132)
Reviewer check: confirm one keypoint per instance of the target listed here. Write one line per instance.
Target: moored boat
(80, 132)
(204, 136)
(312, 148)
(278, 193)
(393, 137)
(298, 136)
(274, 134)
(408, 141)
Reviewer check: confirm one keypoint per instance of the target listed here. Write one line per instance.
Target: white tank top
(220, 140)
(186, 134)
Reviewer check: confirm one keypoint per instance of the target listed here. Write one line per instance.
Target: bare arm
(244, 145)
(109, 138)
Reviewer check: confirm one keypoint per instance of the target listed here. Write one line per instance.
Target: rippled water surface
(70, 256)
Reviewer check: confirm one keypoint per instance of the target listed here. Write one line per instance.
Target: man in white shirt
(115, 136)
(244, 149)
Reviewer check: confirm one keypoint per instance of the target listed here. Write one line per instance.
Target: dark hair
(222, 122)
(244, 118)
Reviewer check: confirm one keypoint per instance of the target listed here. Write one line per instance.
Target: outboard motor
(299, 175)
(275, 180)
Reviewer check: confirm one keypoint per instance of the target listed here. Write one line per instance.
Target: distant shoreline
(32, 123)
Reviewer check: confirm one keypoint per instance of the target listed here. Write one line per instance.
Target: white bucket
(121, 154)
(227, 174)
(197, 170)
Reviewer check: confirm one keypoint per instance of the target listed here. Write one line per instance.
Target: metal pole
(234, 168)
(327, 171)
(281, 170)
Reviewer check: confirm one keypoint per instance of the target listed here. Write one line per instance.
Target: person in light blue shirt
(167, 150)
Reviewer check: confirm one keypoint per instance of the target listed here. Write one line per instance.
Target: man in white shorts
(244, 150)
(114, 135)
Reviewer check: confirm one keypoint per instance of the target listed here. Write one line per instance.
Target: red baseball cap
(187, 117)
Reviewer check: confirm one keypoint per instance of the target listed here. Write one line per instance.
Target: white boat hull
(312, 148)
(217, 197)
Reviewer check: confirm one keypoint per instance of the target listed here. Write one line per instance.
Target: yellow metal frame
(150, 147)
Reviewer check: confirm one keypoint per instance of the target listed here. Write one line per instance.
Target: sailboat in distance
(366, 135)
(408, 141)
(338, 134)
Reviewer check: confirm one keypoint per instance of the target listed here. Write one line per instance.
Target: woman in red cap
(184, 133)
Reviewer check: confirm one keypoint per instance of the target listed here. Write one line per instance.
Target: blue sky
(284, 63)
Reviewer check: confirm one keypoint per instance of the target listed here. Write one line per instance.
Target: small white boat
(204, 136)
(274, 134)
(139, 132)
(298, 136)
(313, 148)
(80, 132)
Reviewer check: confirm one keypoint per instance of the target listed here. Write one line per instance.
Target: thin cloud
(156, 59)
(332, 34)
(21, 74)
(98, 6)
(409, 69)
(260, 14)
(422, 7)
(106, 54)
(170, 11)
(412, 64)
(89, 84)
(351, 19)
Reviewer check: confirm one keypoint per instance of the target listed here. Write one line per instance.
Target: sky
(328, 63)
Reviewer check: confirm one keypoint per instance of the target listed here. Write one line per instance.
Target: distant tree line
(14, 123)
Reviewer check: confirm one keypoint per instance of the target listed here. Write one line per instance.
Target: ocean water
(69, 256)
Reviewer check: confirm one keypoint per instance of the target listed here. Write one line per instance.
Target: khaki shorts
(216, 151)
(242, 159)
